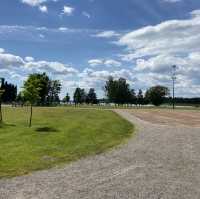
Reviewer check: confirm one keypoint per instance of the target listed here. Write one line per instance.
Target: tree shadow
(6, 125)
(46, 129)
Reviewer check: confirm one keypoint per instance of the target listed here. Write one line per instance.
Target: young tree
(31, 92)
(43, 82)
(91, 97)
(49, 89)
(157, 94)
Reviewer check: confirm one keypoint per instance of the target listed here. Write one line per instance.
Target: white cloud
(43, 9)
(175, 36)
(17, 64)
(41, 36)
(95, 62)
(2, 50)
(195, 13)
(86, 14)
(29, 59)
(68, 10)
(154, 49)
(55, 68)
(63, 29)
(33, 2)
(112, 62)
(9, 61)
(102, 62)
(172, 1)
(37, 3)
(107, 34)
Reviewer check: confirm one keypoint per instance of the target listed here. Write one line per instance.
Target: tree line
(80, 96)
(117, 91)
(39, 89)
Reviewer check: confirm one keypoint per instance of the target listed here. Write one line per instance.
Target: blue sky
(82, 42)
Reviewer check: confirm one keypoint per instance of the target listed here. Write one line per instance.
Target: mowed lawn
(58, 135)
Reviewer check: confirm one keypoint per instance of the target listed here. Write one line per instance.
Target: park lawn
(58, 135)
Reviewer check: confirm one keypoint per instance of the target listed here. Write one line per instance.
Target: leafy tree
(31, 92)
(133, 97)
(123, 91)
(53, 91)
(66, 99)
(110, 89)
(44, 87)
(118, 91)
(140, 97)
(79, 96)
(157, 94)
(43, 82)
(91, 97)
(10, 91)
(48, 89)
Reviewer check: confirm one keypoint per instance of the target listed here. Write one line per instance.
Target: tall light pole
(173, 81)
(1, 93)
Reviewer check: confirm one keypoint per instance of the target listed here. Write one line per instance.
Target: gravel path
(158, 162)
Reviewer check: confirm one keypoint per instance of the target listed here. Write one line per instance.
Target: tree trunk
(30, 121)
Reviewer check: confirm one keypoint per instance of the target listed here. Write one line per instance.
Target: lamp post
(173, 81)
(1, 93)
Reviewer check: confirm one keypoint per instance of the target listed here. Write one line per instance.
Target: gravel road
(158, 162)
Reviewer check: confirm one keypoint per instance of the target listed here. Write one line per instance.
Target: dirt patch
(169, 117)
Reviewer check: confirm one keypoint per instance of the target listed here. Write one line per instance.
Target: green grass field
(58, 135)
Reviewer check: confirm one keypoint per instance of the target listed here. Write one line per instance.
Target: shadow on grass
(46, 129)
(6, 125)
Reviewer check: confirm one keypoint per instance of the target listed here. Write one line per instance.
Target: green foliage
(31, 92)
(53, 92)
(140, 97)
(157, 94)
(47, 90)
(66, 99)
(133, 97)
(91, 97)
(79, 96)
(52, 141)
(43, 83)
(10, 91)
(32, 88)
(118, 91)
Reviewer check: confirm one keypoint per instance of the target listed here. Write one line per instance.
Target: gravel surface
(158, 162)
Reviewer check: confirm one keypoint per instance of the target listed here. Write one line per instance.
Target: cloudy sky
(82, 42)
